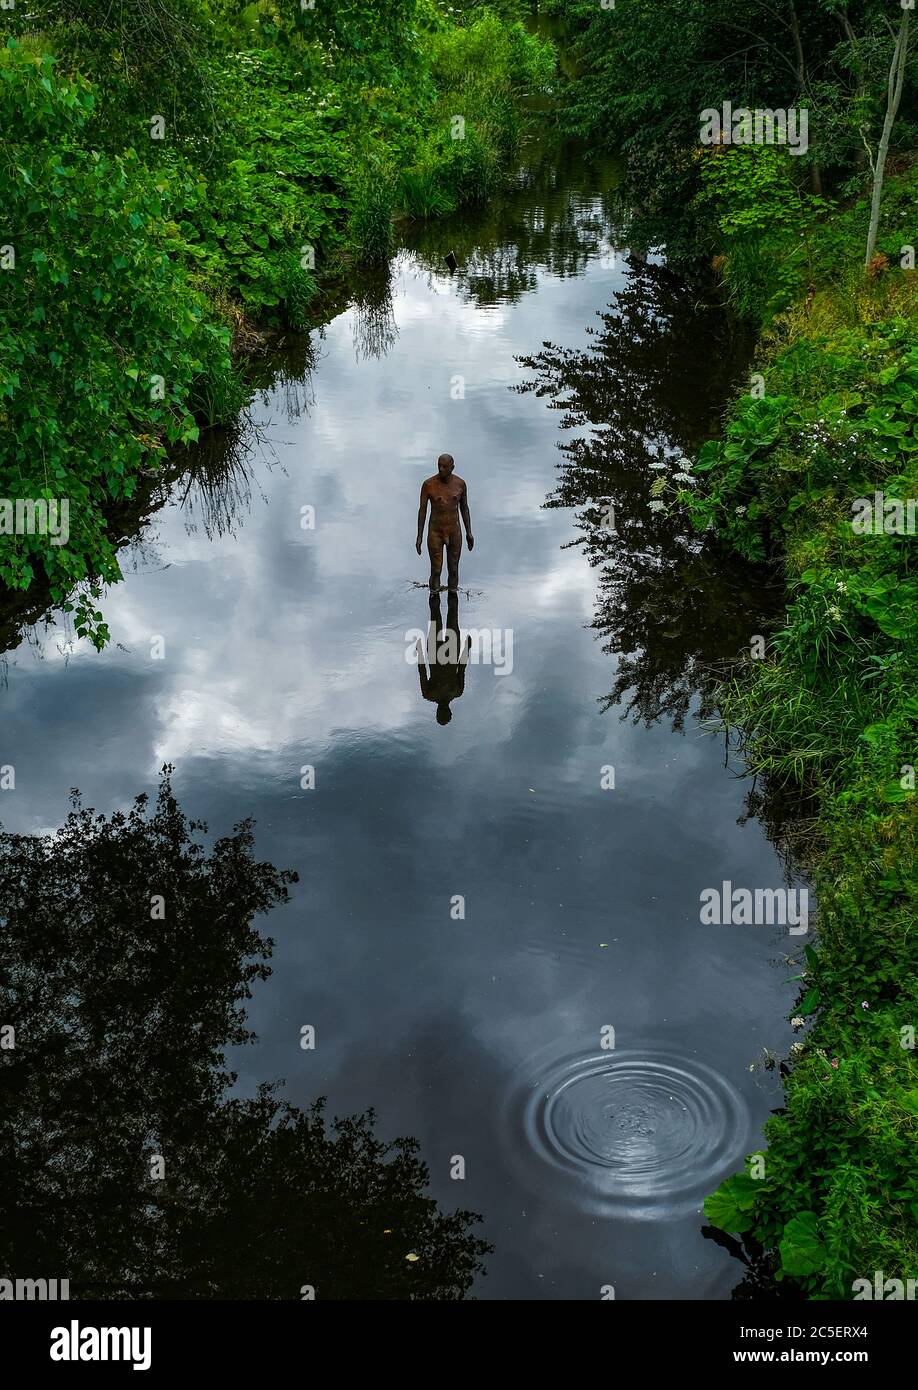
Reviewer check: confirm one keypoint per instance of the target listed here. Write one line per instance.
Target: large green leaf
(800, 1248)
(730, 1207)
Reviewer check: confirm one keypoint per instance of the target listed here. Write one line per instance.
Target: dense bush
(104, 345)
(832, 712)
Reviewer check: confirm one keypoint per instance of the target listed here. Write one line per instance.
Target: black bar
(244, 1339)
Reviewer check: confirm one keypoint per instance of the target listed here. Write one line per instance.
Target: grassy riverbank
(827, 705)
(832, 710)
(178, 180)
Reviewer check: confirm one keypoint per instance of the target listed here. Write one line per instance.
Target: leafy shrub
(831, 711)
(103, 343)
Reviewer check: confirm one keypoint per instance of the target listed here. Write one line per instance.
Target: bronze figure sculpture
(448, 498)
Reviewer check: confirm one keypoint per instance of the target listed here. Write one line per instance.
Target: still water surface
(555, 372)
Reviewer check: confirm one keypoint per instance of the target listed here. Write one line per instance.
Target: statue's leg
(453, 551)
(435, 551)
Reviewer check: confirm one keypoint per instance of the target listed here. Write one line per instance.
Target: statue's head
(445, 466)
(444, 713)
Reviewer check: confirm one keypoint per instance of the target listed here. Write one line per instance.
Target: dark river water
(478, 904)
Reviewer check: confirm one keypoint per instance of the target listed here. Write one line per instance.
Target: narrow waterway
(496, 932)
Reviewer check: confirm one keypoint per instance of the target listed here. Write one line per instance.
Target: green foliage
(487, 51)
(144, 58)
(95, 312)
(645, 73)
(800, 1248)
(422, 194)
(371, 228)
(479, 70)
(290, 139)
(763, 223)
(831, 711)
(730, 1207)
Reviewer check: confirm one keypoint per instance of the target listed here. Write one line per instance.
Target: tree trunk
(860, 154)
(815, 171)
(893, 97)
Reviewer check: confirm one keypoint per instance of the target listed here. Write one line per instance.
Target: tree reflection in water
(555, 217)
(671, 605)
(127, 952)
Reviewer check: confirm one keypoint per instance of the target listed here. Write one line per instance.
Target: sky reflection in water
(286, 647)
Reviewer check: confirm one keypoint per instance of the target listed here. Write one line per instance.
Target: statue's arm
(422, 516)
(466, 517)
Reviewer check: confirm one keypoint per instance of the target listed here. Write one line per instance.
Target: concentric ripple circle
(634, 1133)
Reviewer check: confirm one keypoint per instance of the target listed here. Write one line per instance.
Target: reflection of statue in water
(447, 657)
(448, 497)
